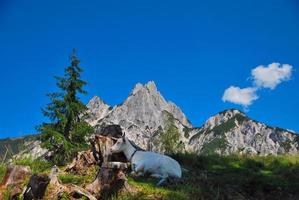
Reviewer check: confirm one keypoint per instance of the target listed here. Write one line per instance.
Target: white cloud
(243, 97)
(272, 75)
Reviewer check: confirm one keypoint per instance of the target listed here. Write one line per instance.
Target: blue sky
(193, 50)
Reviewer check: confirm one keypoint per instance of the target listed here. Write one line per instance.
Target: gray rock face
(32, 149)
(145, 116)
(97, 109)
(232, 131)
(142, 114)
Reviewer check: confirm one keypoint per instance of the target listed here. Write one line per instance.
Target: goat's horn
(114, 138)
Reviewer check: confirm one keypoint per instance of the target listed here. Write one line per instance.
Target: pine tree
(65, 108)
(67, 128)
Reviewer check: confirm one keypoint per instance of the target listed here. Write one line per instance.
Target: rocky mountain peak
(143, 113)
(145, 106)
(151, 86)
(137, 88)
(222, 117)
(95, 101)
(148, 87)
(145, 116)
(97, 109)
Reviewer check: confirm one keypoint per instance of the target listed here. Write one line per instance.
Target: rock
(14, 178)
(32, 150)
(36, 187)
(97, 109)
(142, 114)
(231, 131)
(249, 151)
(112, 131)
(145, 116)
(15, 175)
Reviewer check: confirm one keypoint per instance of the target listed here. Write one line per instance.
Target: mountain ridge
(145, 115)
(148, 118)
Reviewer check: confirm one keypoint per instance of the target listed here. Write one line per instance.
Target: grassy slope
(231, 177)
(208, 177)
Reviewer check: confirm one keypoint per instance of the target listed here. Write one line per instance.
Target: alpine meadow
(149, 100)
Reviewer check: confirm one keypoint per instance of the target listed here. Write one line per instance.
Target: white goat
(157, 165)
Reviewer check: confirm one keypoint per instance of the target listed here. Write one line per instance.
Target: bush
(63, 149)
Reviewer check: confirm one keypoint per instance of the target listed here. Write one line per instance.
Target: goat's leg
(137, 170)
(156, 176)
(163, 180)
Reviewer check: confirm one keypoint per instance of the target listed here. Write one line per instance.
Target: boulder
(14, 178)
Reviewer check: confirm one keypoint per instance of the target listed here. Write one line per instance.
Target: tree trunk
(111, 178)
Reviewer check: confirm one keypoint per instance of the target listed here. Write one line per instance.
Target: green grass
(225, 177)
(74, 179)
(6, 193)
(2, 171)
(36, 166)
(79, 179)
(207, 177)
(147, 190)
(255, 177)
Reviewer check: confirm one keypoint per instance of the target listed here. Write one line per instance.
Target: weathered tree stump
(36, 187)
(81, 163)
(111, 177)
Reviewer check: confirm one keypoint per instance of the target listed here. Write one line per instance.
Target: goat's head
(120, 145)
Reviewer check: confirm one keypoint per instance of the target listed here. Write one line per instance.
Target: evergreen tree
(66, 112)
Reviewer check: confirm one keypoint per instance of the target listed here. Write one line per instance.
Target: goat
(157, 165)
